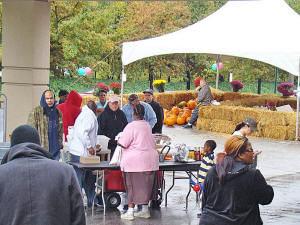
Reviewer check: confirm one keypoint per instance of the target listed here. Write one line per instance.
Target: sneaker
(143, 214)
(127, 216)
(187, 126)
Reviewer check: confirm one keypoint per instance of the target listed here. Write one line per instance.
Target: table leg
(190, 188)
(173, 182)
(102, 192)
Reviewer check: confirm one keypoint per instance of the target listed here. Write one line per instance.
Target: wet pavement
(279, 163)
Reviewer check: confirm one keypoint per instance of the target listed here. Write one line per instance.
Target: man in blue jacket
(133, 100)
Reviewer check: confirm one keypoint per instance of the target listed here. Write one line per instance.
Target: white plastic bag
(116, 159)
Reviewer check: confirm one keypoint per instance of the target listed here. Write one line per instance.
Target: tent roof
(264, 30)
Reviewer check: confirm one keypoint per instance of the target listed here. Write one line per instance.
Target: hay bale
(291, 133)
(272, 118)
(204, 124)
(166, 100)
(216, 112)
(242, 112)
(275, 132)
(87, 98)
(291, 118)
(231, 96)
(216, 94)
(222, 126)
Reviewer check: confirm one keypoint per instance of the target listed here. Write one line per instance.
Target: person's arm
(101, 124)
(31, 119)
(60, 129)
(150, 116)
(77, 207)
(202, 94)
(263, 193)
(127, 137)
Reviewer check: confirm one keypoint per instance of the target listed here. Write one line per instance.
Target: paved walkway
(279, 163)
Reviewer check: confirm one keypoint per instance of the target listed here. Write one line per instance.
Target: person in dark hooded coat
(111, 122)
(34, 188)
(232, 190)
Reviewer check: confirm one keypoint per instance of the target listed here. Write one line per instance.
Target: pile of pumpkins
(179, 114)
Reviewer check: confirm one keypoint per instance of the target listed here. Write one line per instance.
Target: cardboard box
(89, 159)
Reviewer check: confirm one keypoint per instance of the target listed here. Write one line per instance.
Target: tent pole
(298, 96)
(275, 81)
(122, 86)
(217, 79)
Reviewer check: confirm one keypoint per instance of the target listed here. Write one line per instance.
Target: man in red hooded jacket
(70, 110)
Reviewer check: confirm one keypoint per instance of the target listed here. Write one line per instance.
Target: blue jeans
(86, 180)
(194, 115)
(56, 155)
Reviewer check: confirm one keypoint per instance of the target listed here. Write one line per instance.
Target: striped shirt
(207, 162)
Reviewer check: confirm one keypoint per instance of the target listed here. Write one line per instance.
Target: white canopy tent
(263, 30)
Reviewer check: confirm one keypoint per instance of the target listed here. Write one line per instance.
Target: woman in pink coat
(139, 163)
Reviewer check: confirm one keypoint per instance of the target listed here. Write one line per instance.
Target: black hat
(150, 91)
(133, 98)
(24, 133)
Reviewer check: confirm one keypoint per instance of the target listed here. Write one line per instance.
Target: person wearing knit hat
(29, 178)
(232, 190)
(24, 133)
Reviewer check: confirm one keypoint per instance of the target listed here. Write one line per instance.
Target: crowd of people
(232, 188)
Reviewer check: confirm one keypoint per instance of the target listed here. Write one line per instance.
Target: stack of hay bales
(223, 119)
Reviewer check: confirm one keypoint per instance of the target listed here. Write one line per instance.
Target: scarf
(53, 125)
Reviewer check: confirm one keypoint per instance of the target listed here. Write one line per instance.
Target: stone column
(25, 57)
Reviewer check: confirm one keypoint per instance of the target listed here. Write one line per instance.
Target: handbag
(116, 159)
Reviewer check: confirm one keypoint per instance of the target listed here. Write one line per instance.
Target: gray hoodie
(36, 190)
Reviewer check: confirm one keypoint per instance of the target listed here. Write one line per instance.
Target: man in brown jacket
(49, 122)
(204, 98)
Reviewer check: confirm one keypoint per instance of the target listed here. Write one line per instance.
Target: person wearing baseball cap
(157, 108)
(247, 127)
(133, 100)
(111, 122)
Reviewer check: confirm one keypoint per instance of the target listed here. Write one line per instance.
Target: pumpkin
(171, 121)
(187, 113)
(181, 104)
(191, 104)
(180, 120)
(175, 110)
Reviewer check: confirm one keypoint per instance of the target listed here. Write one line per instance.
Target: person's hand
(98, 148)
(91, 150)
(256, 153)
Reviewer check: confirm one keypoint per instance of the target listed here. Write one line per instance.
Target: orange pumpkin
(175, 110)
(191, 104)
(171, 121)
(180, 120)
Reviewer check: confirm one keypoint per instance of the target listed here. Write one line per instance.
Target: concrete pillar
(25, 57)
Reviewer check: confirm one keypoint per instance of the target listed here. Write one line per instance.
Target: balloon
(87, 70)
(214, 67)
(220, 65)
(81, 71)
(197, 187)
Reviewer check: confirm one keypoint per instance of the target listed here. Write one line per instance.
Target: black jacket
(157, 129)
(235, 202)
(36, 190)
(110, 124)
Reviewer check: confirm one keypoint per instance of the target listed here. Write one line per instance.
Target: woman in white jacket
(83, 143)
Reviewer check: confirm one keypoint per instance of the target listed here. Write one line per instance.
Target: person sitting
(204, 98)
(139, 164)
(111, 122)
(133, 100)
(35, 189)
(102, 103)
(232, 190)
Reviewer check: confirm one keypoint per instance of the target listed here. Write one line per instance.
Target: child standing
(207, 161)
